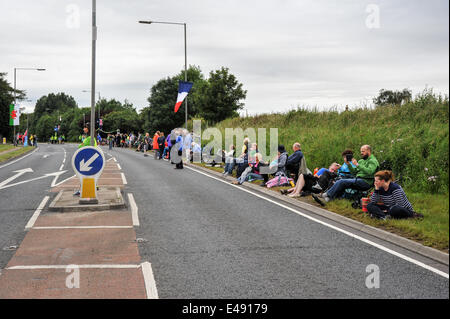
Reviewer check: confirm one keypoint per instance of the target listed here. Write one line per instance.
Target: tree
(127, 121)
(6, 98)
(53, 104)
(160, 115)
(388, 97)
(45, 127)
(219, 97)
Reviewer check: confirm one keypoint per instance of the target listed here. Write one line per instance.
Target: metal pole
(98, 109)
(94, 38)
(185, 74)
(14, 137)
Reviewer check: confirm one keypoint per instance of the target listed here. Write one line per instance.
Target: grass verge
(5, 147)
(16, 153)
(432, 231)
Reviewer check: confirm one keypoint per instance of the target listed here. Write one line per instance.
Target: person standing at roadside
(155, 144)
(179, 145)
(87, 140)
(161, 142)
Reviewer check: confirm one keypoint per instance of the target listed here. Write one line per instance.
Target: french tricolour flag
(183, 90)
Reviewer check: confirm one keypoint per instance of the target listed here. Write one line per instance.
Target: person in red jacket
(155, 144)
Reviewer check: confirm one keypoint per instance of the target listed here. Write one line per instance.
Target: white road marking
(36, 213)
(64, 160)
(64, 180)
(118, 165)
(106, 266)
(134, 210)
(149, 279)
(15, 161)
(124, 180)
(56, 174)
(82, 227)
(114, 159)
(390, 251)
(19, 173)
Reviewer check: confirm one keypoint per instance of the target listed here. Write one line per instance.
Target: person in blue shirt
(179, 144)
(344, 170)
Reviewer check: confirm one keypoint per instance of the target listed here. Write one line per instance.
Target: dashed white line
(36, 213)
(149, 279)
(390, 251)
(124, 180)
(118, 165)
(134, 210)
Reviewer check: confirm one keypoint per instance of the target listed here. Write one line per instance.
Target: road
(210, 239)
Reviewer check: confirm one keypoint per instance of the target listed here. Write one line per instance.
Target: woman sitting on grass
(307, 183)
(252, 172)
(389, 200)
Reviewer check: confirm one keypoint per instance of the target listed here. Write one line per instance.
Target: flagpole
(14, 124)
(185, 75)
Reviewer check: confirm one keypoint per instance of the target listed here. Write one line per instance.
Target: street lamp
(185, 56)
(15, 94)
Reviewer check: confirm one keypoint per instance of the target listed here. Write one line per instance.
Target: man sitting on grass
(364, 172)
(293, 161)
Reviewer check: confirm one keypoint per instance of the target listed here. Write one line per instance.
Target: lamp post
(15, 95)
(94, 39)
(185, 57)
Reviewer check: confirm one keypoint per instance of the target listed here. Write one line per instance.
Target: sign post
(88, 163)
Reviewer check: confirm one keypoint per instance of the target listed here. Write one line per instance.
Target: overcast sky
(287, 53)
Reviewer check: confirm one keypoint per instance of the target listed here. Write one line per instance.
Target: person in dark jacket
(282, 160)
(293, 161)
(161, 144)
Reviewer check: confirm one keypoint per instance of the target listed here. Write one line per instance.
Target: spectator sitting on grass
(309, 183)
(364, 172)
(389, 200)
(293, 161)
(252, 172)
(229, 161)
(344, 170)
(280, 165)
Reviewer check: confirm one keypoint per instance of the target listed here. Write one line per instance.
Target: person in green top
(87, 140)
(364, 171)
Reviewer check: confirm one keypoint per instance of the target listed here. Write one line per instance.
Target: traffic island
(107, 199)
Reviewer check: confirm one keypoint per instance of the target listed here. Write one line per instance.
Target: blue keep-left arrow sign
(88, 161)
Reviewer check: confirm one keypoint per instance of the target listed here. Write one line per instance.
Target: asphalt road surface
(209, 239)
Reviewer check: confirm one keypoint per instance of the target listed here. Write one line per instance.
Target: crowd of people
(388, 200)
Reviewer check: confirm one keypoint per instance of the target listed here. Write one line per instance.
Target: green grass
(412, 138)
(432, 231)
(16, 153)
(5, 147)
